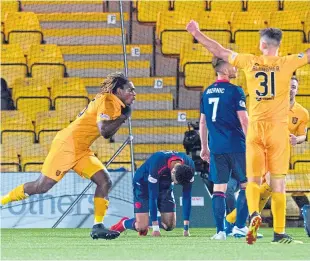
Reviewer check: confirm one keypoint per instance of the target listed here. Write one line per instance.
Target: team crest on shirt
(300, 55)
(104, 116)
(294, 120)
(242, 103)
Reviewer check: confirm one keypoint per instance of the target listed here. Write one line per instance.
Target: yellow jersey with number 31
(268, 83)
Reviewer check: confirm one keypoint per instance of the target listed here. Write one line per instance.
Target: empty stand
(23, 28)
(33, 156)
(8, 7)
(195, 79)
(228, 6)
(148, 10)
(13, 63)
(254, 5)
(9, 159)
(185, 6)
(46, 62)
(295, 5)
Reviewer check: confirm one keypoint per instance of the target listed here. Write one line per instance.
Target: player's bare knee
(277, 183)
(220, 187)
(170, 226)
(43, 187)
(141, 226)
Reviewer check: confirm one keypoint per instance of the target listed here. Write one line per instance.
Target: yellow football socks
(278, 208)
(252, 195)
(232, 216)
(14, 195)
(265, 193)
(101, 206)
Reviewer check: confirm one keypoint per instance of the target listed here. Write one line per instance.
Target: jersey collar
(173, 158)
(118, 100)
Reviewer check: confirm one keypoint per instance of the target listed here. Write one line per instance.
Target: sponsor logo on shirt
(300, 55)
(104, 116)
(242, 103)
(151, 179)
(294, 120)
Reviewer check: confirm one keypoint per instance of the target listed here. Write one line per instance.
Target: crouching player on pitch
(224, 116)
(153, 189)
(104, 115)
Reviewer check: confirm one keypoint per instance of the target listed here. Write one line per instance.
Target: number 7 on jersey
(215, 102)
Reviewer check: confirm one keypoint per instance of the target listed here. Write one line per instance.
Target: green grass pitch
(76, 244)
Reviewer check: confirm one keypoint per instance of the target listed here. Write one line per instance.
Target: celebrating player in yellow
(298, 120)
(70, 149)
(267, 141)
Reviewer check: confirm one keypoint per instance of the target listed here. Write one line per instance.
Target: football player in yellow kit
(70, 149)
(297, 124)
(267, 141)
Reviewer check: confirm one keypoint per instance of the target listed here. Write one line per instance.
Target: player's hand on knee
(156, 233)
(293, 140)
(186, 233)
(126, 111)
(192, 27)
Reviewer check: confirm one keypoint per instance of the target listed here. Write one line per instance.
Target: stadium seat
(304, 100)
(16, 129)
(33, 156)
(68, 85)
(303, 160)
(99, 68)
(199, 75)
(13, 63)
(47, 124)
(305, 70)
(189, 6)
(9, 159)
(163, 115)
(292, 25)
(288, 5)
(8, 7)
(230, 6)
(303, 84)
(81, 19)
(194, 53)
(262, 6)
(247, 41)
(147, 11)
(46, 61)
(247, 21)
(23, 28)
(77, 36)
(31, 99)
(240, 81)
(307, 26)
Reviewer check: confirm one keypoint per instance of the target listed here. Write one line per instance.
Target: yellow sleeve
(296, 61)
(241, 60)
(302, 127)
(108, 109)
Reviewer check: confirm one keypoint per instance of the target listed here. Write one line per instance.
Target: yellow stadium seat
(48, 124)
(247, 40)
(199, 75)
(32, 157)
(9, 159)
(16, 129)
(305, 70)
(152, 148)
(80, 17)
(246, 21)
(262, 5)
(230, 6)
(23, 28)
(303, 84)
(304, 100)
(148, 10)
(8, 7)
(191, 53)
(240, 81)
(190, 6)
(171, 42)
(288, 5)
(31, 99)
(46, 61)
(303, 159)
(72, 106)
(63, 85)
(13, 63)
(307, 26)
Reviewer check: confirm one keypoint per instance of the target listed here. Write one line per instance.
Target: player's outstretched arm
(153, 188)
(213, 46)
(203, 132)
(187, 206)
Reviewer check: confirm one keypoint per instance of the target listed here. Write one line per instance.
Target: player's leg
(278, 153)
(90, 167)
(265, 192)
(219, 175)
(232, 188)
(56, 164)
(166, 207)
(255, 168)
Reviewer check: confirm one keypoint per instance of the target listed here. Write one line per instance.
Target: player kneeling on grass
(153, 189)
(70, 149)
(224, 116)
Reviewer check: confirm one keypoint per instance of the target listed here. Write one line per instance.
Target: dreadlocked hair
(183, 174)
(113, 82)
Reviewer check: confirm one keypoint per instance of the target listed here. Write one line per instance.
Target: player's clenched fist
(192, 27)
(205, 155)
